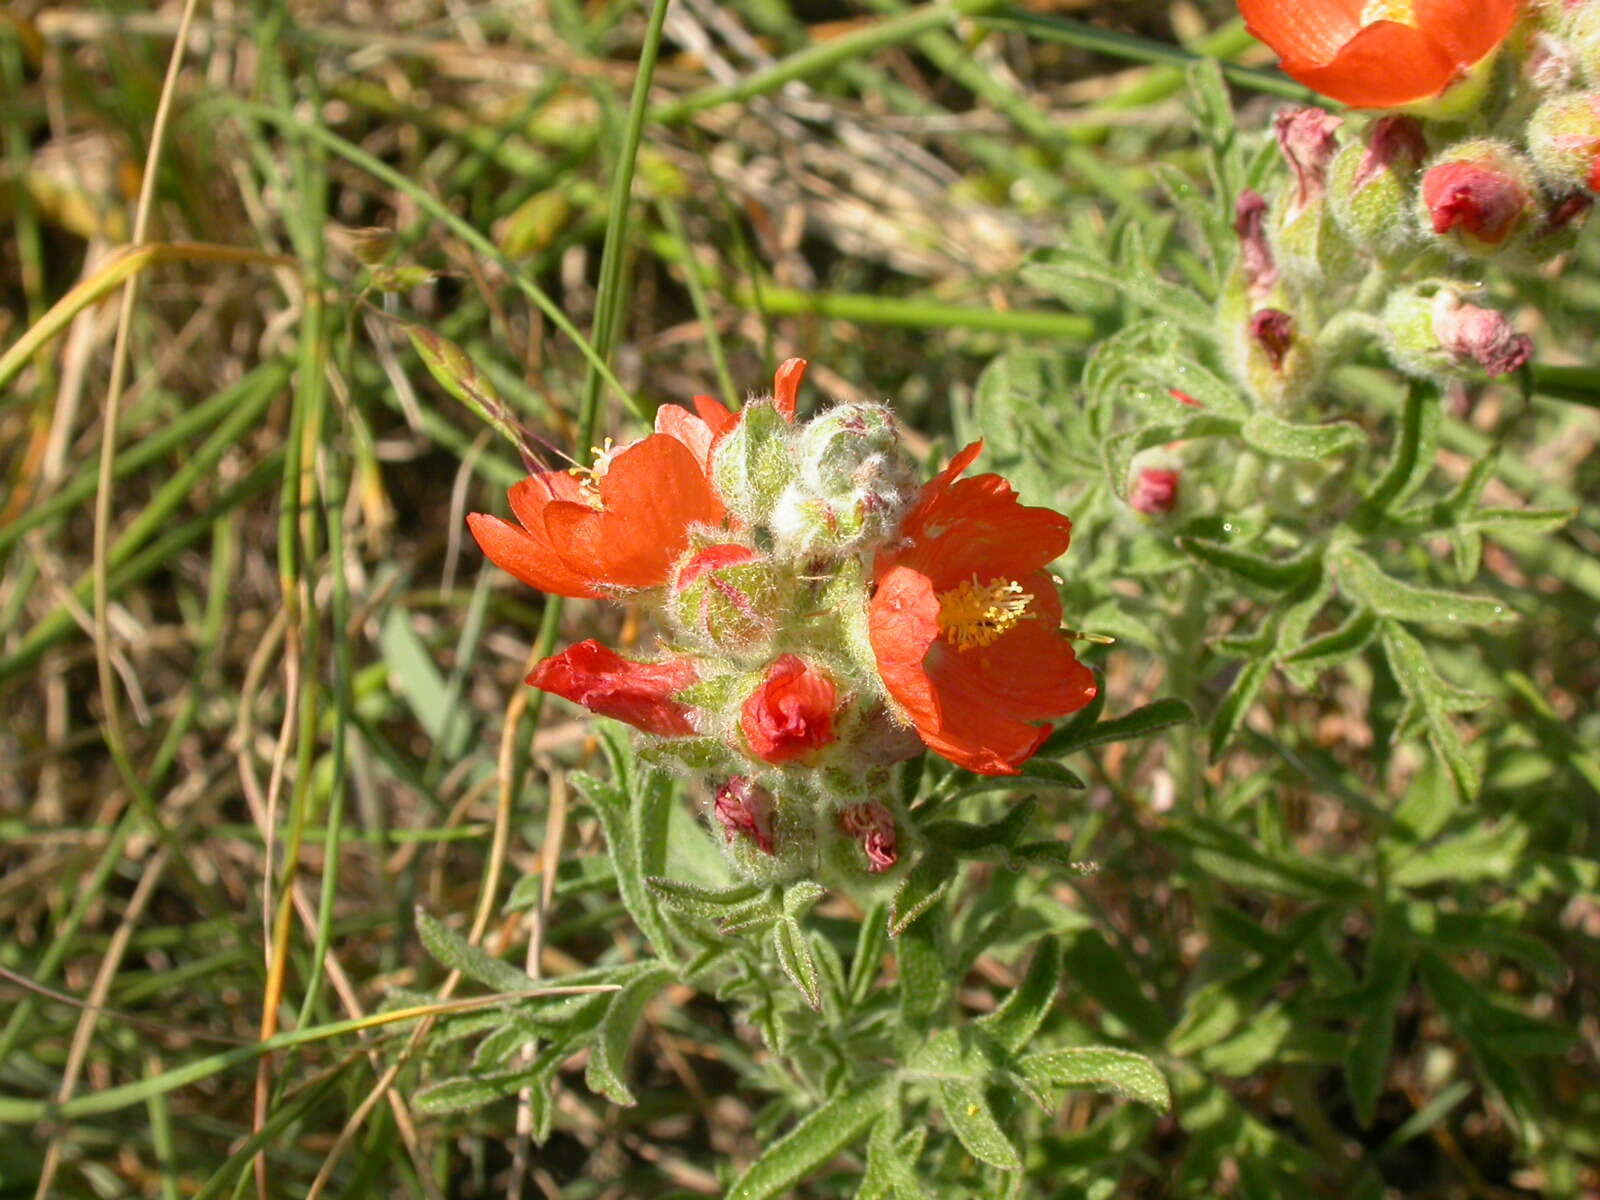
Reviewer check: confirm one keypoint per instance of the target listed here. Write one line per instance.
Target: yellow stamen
(1389, 10)
(589, 477)
(975, 614)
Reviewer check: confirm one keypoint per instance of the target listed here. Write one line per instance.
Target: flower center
(1389, 10)
(975, 614)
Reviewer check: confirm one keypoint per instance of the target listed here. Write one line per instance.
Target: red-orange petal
(604, 682)
(526, 557)
(649, 497)
(1466, 30)
(786, 386)
(678, 422)
(902, 622)
(530, 496)
(1383, 66)
(1310, 31)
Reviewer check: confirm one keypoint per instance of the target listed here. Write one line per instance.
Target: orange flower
(606, 683)
(790, 714)
(622, 527)
(966, 626)
(1380, 53)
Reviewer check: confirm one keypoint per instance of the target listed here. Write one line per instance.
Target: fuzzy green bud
(1271, 345)
(1564, 140)
(769, 836)
(852, 485)
(1370, 184)
(725, 597)
(752, 465)
(1580, 25)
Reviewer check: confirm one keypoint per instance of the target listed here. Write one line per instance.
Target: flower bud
(1435, 335)
(744, 809)
(1153, 491)
(768, 836)
(752, 463)
(853, 481)
(872, 826)
(726, 596)
(790, 713)
(1556, 230)
(1476, 196)
(1268, 347)
(1369, 185)
(1548, 63)
(1580, 25)
(1564, 140)
(1306, 141)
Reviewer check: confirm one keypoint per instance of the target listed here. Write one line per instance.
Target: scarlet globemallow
(612, 686)
(620, 526)
(790, 712)
(1380, 53)
(965, 623)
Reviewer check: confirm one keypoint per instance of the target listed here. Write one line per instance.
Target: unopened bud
(1369, 185)
(872, 826)
(1476, 196)
(1564, 140)
(1580, 26)
(1153, 492)
(752, 464)
(853, 481)
(1435, 335)
(744, 809)
(726, 596)
(1306, 140)
(1548, 63)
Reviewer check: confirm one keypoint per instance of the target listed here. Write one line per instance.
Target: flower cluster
(822, 616)
(1485, 145)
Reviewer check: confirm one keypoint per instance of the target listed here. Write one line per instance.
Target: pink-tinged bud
(1476, 196)
(1273, 330)
(1549, 65)
(725, 597)
(1370, 183)
(1434, 334)
(1306, 140)
(606, 683)
(1395, 143)
(873, 826)
(1184, 398)
(744, 809)
(1255, 254)
(1154, 492)
(790, 713)
(1479, 335)
(1564, 140)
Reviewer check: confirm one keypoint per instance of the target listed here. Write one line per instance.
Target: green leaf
(1235, 860)
(1388, 974)
(1430, 701)
(634, 812)
(1365, 582)
(455, 952)
(921, 889)
(872, 939)
(1429, 802)
(1328, 650)
(1236, 704)
(1280, 439)
(1101, 1068)
(967, 1110)
(609, 1051)
(1485, 852)
(1256, 572)
(1118, 451)
(1065, 271)
(892, 1161)
(794, 956)
(811, 1143)
(467, 1092)
(963, 839)
(1094, 967)
(411, 667)
(712, 904)
(1141, 722)
(1021, 1013)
